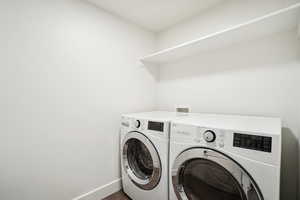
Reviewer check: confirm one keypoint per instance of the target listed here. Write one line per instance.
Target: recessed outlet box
(183, 109)
(298, 31)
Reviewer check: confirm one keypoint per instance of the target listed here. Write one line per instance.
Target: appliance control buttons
(209, 136)
(221, 140)
(137, 123)
(221, 144)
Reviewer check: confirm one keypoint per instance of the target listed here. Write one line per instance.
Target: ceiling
(155, 15)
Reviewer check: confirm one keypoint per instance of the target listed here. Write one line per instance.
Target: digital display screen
(156, 126)
(254, 142)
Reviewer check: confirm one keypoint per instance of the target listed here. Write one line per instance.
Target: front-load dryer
(144, 146)
(218, 157)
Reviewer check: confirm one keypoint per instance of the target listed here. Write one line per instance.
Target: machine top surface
(154, 115)
(267, 125)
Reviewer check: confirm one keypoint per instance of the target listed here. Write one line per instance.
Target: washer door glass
(206, 180)
(141, 161)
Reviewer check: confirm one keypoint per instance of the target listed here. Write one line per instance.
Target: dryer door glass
(141, 161)
(205, 180)
(205, 174)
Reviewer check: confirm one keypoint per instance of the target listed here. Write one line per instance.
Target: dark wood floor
(117, 196)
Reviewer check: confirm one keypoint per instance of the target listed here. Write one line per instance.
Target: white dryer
(145, 154)
(218, 157)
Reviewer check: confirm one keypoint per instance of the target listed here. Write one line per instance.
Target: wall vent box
(298, 32)
(182, 109)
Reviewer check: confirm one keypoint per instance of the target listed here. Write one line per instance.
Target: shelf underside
(279, 21)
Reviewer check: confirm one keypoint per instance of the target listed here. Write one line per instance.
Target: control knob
(209, 136)
(137, 123)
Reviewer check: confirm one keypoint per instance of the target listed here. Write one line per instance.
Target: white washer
(144, 154)
(216, 157)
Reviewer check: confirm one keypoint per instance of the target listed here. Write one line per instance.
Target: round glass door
(141, 161)
(204, 174)
(204, 179)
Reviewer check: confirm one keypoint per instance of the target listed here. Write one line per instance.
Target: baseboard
(102, 191)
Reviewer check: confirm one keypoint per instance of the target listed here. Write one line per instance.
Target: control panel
(254, 142)
(262, 147)
(145, 126)
(141, 125)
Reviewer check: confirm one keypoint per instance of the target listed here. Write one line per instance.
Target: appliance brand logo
(125, 124)
(183, 133)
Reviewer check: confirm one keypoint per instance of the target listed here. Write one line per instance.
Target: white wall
(67, 72)
(259, 77)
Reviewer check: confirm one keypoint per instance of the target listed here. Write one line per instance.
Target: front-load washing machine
(218, 157)
(144, 146)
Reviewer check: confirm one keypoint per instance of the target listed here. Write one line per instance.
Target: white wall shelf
(278, 21)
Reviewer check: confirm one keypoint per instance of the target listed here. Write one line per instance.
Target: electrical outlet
(298, 31)
(183, 109)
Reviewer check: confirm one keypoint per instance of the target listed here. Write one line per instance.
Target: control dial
(137, 123)
(209, 136)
